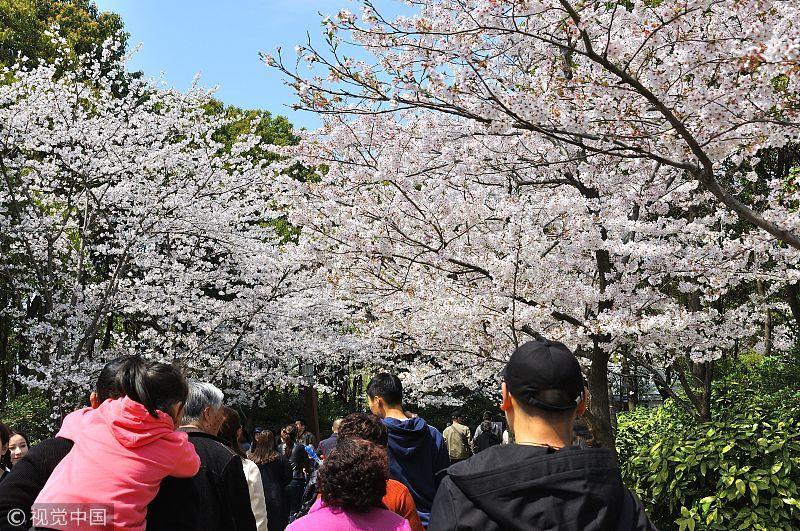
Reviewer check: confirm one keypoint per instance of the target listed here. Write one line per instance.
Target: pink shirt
(120, 456)
(321, 516)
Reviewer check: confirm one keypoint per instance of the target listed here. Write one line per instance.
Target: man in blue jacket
(417, 451)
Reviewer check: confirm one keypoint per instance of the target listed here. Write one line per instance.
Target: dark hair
(108, 381)
(364, 426)
(388, 387)
(229, 430)
(354, 476)
(457, 414)
(291, 435)
(5, 436)
(264, 449)
(157, 386)
(24, 437)
(21, 434)
(487, 415)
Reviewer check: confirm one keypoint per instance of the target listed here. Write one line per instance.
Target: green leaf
(708, 500)
(727, 448)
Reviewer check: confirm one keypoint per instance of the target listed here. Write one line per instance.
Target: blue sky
(221, 40)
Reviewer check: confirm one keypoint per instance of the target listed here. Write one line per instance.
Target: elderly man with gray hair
(217, 498)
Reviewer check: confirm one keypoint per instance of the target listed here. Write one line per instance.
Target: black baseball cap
(545, 374)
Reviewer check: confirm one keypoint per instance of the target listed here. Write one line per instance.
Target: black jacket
(275, 477)
(299, 461)
(19, 490)
(224, 498)
(516, 487)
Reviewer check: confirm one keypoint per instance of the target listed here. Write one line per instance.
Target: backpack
(486, 438)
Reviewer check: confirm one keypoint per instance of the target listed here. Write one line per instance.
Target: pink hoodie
(120, 456)
(322, 516)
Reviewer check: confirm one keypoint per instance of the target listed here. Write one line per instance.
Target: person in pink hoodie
(122, 451)
(352, 482)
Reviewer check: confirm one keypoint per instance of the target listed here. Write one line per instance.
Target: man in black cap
(541, 482)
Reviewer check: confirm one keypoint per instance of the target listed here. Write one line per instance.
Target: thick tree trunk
(310, 407)
(697, 384)
(793, 298)
(628, 393)
(704, 374)
(599, 413)
(707, 390)
(600, 406)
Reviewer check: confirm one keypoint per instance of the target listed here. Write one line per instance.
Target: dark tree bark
(107, 333)
(793, 298)
(704, 375)
(599, 412)
(311, 413)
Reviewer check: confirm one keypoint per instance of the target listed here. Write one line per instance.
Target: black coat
(216, 499)
(275, 477)
(517, 487)
(299, 462)
(19, 490)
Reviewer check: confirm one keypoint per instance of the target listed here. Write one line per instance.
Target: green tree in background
(272, 130)
(25, 24)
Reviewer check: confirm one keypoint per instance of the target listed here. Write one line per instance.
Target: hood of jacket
(543, 488)
(407, 437)
(132, 425)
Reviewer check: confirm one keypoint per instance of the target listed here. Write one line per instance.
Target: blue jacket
(417, 453)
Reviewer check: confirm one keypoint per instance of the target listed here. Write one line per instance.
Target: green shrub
(643, 426)
(741, 471)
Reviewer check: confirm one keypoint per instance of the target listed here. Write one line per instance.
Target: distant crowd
(155, 451)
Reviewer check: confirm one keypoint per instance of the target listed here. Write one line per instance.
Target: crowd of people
(155, 451)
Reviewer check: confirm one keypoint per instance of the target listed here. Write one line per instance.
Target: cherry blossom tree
(460, 253)
(693, 86)
(127, 228)
(505, 169)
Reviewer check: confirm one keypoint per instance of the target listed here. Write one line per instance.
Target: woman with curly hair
(352, 481)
